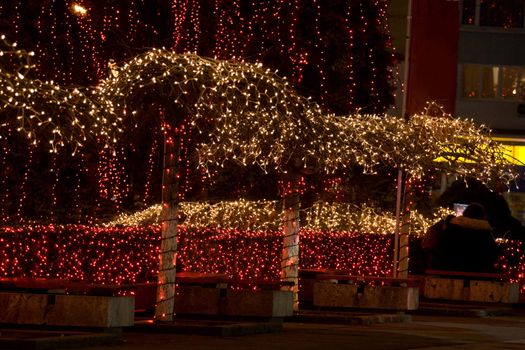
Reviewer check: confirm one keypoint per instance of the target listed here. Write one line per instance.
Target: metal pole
(403, 112)
(398, 221)
(407, 58)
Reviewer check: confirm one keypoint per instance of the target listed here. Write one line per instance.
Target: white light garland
(249, 115)
(266, 215)
(46, 112)
(256, 118)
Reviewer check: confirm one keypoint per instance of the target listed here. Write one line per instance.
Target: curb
(205, 328)
(348, 318)
(464, 310)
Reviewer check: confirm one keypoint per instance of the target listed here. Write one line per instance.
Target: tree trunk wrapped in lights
(164, 308)
(404, 208)
(405, 228)
(291, 227)
(404, 235)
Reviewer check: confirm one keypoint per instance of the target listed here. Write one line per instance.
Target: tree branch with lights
(254, 117)
(47, 112)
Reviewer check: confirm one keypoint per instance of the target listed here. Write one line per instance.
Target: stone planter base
(228, 302)
(471, 290)
(66, 310)
(327, 294)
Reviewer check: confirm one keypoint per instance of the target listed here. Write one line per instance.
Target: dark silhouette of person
(462, 243)
(498, 213)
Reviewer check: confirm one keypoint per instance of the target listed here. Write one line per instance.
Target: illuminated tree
(249, 115)
(337, 52)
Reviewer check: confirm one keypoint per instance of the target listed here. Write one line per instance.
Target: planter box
(228, 302)
(471, 290)
(66, 310)
(329, 294)
(260, 303)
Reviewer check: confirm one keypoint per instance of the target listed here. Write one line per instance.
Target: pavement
(467, 327)
(422, 332)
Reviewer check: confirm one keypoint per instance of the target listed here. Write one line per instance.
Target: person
(462, 243)
(498, 212)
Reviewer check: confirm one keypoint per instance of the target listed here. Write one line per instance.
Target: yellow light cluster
(47, 112)
(365, 219)
(255, 115)
(267, 215)
(78, 10)
(415, 144)
(148, 216)
(242, 214)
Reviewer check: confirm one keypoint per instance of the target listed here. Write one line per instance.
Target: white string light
(251, 116)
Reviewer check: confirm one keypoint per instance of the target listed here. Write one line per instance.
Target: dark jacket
(461, 244)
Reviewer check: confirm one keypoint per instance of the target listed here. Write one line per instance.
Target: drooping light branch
(425, 142)
(247, 114)
(266, 215)
(252, 116)
(45, 111)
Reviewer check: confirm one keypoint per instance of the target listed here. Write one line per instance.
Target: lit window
(509, 83)
(471, 82)
(469, 12)
(493, 82)
(501, 13)
(493, 13)
(521, 84)
(489, 82)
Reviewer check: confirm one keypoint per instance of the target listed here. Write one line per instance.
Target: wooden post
(291, 226)
(164, 307)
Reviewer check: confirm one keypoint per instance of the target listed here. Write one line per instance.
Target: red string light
(130, 254)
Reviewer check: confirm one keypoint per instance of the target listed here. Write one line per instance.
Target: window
(493, 82)
(471, 80)
(521, 85)
(493, 13)
(509, 83)
(489, 82)
(469, 12)
(501, 13)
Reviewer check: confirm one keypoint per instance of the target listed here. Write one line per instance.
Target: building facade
(468, 56)
(491, 64)
(487, 46)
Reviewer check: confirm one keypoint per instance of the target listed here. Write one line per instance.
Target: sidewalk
(453, 327)
(423, 332)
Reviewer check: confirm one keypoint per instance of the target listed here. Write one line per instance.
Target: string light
(120, 255)
(255, 18)
(233, 97)
(48, 112)
(5, 216)
(258, 119)
(266, 215)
